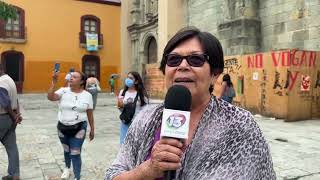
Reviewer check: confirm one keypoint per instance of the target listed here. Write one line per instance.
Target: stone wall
(234, 22)
(204, 14)
(290, 24)
(284, 24)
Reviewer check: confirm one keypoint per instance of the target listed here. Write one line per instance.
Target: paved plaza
(295, 147)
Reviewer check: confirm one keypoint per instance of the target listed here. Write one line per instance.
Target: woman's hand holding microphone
(165, 155)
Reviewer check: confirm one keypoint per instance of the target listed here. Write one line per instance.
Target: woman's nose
(184, 65)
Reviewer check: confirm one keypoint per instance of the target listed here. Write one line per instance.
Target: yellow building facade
(47, 32)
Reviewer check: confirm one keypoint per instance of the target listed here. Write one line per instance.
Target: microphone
(176, 117)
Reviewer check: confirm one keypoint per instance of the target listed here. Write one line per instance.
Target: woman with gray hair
(224, 141)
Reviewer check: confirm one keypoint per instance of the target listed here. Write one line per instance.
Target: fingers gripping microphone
(176, 117)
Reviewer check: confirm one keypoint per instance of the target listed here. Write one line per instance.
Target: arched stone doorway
(13, 63)
(91, 65)
(150, 57)
(152, 51)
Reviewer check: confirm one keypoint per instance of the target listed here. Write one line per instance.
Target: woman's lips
(183, 80)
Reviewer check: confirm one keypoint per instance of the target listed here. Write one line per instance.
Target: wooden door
(13, 63)
(91, 65)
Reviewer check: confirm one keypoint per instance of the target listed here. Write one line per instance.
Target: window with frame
(90, 24)
(13, 28)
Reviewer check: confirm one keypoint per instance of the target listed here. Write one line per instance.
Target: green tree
(7, 11)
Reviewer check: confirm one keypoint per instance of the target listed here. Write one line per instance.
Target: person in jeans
(93, 88)
(133, 87)
(75, 110)
(9, 118)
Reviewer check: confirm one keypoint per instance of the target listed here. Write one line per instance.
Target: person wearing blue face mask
(135, 94)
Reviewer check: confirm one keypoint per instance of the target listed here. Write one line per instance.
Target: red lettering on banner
(285, 56)
(259, 60)
(312, 60)
(250, 62)
(303, 58)
(275, 60)
(288, 58)
(255, 61)
(293, 79)
(294, 60)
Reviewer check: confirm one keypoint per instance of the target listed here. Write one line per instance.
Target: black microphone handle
(169, 175)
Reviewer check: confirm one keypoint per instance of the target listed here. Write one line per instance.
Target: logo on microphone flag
(175, 123)
(176, 120)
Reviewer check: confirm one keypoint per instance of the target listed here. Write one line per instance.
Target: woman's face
(130, 76)
(130, 84)
(75, 79)
(196, 79)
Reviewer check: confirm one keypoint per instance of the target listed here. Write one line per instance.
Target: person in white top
(93, 87)
(9, 118)
(134, 89)
(75, 110)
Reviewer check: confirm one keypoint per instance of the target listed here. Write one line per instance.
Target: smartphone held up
(56, 67)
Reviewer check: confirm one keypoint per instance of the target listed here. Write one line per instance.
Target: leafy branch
(7, 11)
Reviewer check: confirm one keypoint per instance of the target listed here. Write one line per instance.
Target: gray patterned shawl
(228, 144)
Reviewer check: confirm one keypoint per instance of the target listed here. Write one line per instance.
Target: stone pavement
(295, 147)
(41, 153)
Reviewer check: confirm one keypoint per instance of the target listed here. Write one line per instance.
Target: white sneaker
(66, 174)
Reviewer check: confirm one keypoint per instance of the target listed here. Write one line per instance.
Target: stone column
(135, 54)
(155, 7)
(135, 11)
(240, 30)
(172, 16)
(126, 20)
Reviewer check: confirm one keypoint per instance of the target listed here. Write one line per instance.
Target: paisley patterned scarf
(227, 144)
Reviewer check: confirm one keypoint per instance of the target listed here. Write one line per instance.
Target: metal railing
(11, 34)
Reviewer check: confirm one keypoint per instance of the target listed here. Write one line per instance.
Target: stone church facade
(142, 35)
(271, 47)
(249, 26)
(243, 26)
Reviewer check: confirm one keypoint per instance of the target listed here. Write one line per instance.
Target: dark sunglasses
(195, 60)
